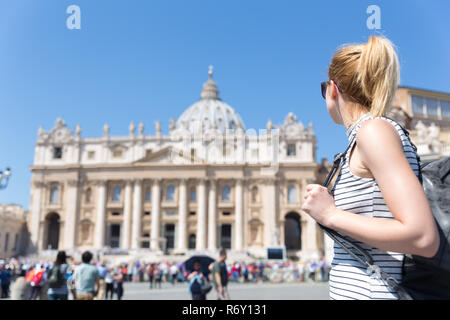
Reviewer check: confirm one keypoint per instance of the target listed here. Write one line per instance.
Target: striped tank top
(348, 277)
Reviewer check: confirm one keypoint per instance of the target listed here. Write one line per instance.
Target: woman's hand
(319, 203)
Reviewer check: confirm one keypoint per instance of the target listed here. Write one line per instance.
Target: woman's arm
(413, 230)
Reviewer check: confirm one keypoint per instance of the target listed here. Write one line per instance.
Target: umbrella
(205, 261)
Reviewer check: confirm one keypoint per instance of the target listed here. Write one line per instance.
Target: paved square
(238, 291)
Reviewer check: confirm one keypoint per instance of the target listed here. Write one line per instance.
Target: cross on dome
(210, 71)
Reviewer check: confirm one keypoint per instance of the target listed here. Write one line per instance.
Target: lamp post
(4, 178)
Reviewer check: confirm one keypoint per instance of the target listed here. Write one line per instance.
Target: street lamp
(4, 178)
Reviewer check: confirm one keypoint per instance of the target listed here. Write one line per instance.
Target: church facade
(207, 184)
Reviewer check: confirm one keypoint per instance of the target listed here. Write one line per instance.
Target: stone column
(71, 214)
(182, 216)
(36, 213)
(201, 219)
(155, 215)
(127, 216)
(328, 248)
(137, 215)
(239, 232)
(212, 216)
(311, 228)
(311, 244)
(270, 207)
(100, 227)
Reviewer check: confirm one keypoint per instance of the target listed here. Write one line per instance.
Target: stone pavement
(238, 291)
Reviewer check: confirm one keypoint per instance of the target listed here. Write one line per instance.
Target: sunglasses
(324, 86)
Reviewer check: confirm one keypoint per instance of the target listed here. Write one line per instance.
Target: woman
(118, 282)
(377, 200)
(58, 283)
(196, 280)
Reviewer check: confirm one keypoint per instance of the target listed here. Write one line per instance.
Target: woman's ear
(333, 90)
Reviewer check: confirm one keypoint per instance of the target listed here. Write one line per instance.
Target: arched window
(117, 191)
(226, 193)
(87, 196)
(255, 194)
(54, 195)
(292, 194)
(170, 195)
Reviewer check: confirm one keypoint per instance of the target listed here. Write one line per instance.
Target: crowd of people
(61, 279)
(65, 278)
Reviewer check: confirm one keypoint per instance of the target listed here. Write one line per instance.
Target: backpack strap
(444, 171)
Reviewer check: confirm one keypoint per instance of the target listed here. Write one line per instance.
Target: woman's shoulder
(377, 131)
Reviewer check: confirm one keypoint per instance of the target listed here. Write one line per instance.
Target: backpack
(37, 278)
(56, 279)
(422, 278)
(429, 278)
(197, 286)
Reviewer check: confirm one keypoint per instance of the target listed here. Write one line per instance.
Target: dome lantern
(209, 113)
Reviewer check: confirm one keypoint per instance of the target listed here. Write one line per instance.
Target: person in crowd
(260, 272)
(196, 280)
(129, 272)
(151, 270)
(173, 273)
(21, 289)
(141, 269)
(301, 271)
(37, 281)
(158, 276)
(102, 285)
(118, 282)
(134, 272)
(125, 273)
(245, 273)
(44, 288)
(71, 265)
(30, 274)
(57, 281)
(86, 278)
(220, 276)
(5, 279)
(109, 282)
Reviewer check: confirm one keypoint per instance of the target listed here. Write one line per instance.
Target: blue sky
(147, 60)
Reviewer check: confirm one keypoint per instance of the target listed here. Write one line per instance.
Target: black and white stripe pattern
(348, 278)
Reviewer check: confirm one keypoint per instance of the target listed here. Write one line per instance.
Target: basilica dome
(210, 113)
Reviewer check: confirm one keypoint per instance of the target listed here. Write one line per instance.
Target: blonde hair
(368, 74)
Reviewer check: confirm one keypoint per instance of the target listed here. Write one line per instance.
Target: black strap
(344, 243)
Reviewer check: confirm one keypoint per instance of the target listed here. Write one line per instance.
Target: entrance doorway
(225, 236)
(53, 224)
(292, 231)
